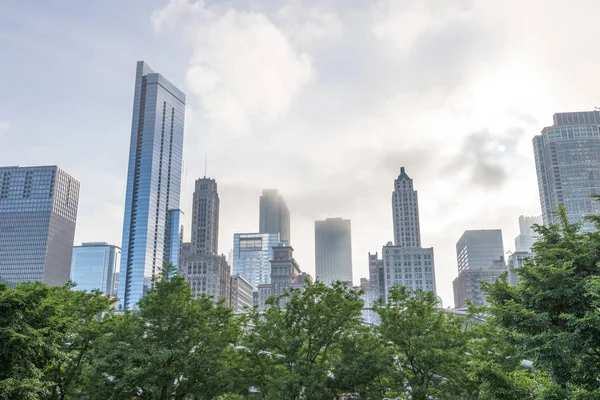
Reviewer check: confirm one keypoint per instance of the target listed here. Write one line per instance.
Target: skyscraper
(95, 266)
(153, 183)
(205, 217)
(252, 255)
(333, 250)
(38, 211)
(405, 207)
(526, 237)
(568, 166)
(274, 215)
(476, 249)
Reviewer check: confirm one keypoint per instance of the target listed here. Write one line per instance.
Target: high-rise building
(205, 217)
(405, 208)
(467, 286)
(376, 277)
(476, 249)
(515, 261)
(285, 274)
(38, 211)
(241, 294)
(413, 268)
(333, 250)
(527, 236)
(252, 255)
(95, 266)
(568, 166)
(207, 275)
(274, 215)
(153, 183)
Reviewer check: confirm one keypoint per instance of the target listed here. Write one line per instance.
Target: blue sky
(325, 100)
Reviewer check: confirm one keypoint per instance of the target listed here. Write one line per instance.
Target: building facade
(405, 210)
(285, 274)
(516, 260)
(527, 235)
(274, 215)
(252, 255)
(205, 217)
(568, 166)
(333, 250)
(207, 275)
(413, 268)
(241, 294)
(467, 286)
(476, 249)
(95, 266)
(376, 277)
(38, 212)
(153, 183)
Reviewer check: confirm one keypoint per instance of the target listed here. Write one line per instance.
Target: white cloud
(4, 127)
(309, 26)
(173, 10)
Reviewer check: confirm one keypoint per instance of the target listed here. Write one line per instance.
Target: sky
(324, 100)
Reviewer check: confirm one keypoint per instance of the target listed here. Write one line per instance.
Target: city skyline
(327, 119)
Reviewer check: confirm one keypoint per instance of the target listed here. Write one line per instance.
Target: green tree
(176, 347)
(552, 315)
(290, 349)
(46, 334)
(429, 346)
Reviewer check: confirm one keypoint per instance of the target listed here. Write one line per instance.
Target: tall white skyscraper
(405, 208)
(205, 217)
(150, 235)
(567, 163)
(333, 250)
(526, 237)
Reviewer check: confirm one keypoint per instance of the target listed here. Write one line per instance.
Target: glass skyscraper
(252, 255)
(153, 183)
(96, 265)
(567, 161)
(274, 215)
(38, 211)
(333, 250)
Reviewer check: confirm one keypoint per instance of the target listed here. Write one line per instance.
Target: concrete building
(476, 249)
(467, 286)
(274, 215)
(205, 217)
(252, 255)
(413, 268)
(376, 277)
(150, 236)
(333, 250)
(207, 275)
(405, 210)
(241, 294)
(95, 266)
(38, 212)
(516, 260)
(527, 236)
(568, 166)
(285, 274)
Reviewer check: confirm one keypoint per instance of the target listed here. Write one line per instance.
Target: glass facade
(477, 249)
(252, 255)
(173, 237)
(274, 215)
(333, 250)
(153, 181)
(567, 160)
(95, 266)
(38, 211)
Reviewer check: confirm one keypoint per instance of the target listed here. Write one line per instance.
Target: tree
(429, 346)
(291, 348)
(552, 315)
(176, 347)
(46, 334)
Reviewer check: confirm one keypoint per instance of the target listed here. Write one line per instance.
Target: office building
(405, 210)
(153, 184)
(476, 249)
(333, 250)
(274, 215)
(205, 217)
(412, 268)
(285, 274)
(95, 266)
(568, 166)
(527, 235)
(516, 260)
(207, 275)
(467, 286)
(376, 277)
(241, 294)
(252, 255)
(38, 211)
